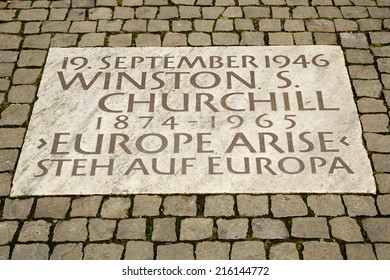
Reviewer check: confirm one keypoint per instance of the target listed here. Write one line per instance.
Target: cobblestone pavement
(230, 226)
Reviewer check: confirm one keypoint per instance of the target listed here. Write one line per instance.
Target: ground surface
(232, 226)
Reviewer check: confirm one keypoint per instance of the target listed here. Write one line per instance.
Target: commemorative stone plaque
(194, 120)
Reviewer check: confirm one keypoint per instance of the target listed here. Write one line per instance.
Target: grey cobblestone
(359, 56)
(360, 252)
(31, 15)
(196, 229)
(24, 76)
(375, 123)
(148, 40)
(288, 205)
(101, 229)
(139, 250)
(212, 12)
(164, 229)
(280, 38)
(383, 202)
(360, 205)
(370, 24)
(380, 37)
(284, 251)
(120, 40)
(30, 252)
(232, 229)
(92, 40)
(180, 205)
(5, 184)
(270, 25)
(135, 25)
(294, 25)
(32, 27)
(156, 25)
(381, 162)
(248, 250)
(115, 207)
(17, 208)
(132, 229)
(219, 205)
(382, 251)
(103, 251)
(345, 25)
(383, 181)
(52, 207)
(10, 27)
(147, 205)
(71, 230)
(64, 40)
(243, 24)
(41, 41)
(32, 58)
(369, 88)
(181, 251)
(69, 251)
(11, 137)
(250, 38)
(362, 72)
(168, 13)
(8, 159)
(304, 12)
(326, 205)
(22, 94)
(123, 13)
(346, 228)
(225, 39)
(199, 39)
(257, 12)
(4, 252)
(85, 206)
(309, 228)
(378, 229)
(34, 231)
(7, 231)
(269, 229)
(314, 250)
(377, 142)
(250, 205)
(212, 250)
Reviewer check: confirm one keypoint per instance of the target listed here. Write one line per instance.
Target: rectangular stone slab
(194, 120)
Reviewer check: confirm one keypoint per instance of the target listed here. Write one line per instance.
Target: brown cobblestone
(383, 202)
(30, 252)
(212, 250)
(314, 250)
(17, 208)
(69, 251)
(11, 137)
(360, 252)
(180, 205)
(269, 229)
(248, 250)
(383, 181)
(360, 205)
(8, 159)
(310, 228)
(164, 229)
(346, 228)
(287, 206)
(34, 231)
(378, 229)
(147, 205)
(5, 184)
(181, 251)
(115, 207)
(132, 229)
(284, 251)
(103, 251)
(139, 250)
(382, 251)
(101, 229)
(7, 231)
(52, 207)
(72, 230)
(85, 206)
(196, 229)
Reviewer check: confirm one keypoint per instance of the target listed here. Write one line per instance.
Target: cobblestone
(181, 251)
(139, 250)
(17, 208)
(101, 229)
(212, 250)
(378, 229)
(132, 229)
(180, 205)
(11, 137)
(115, 207)
(148, 40)
(377, 142)
(8, 159)
(375, 123)
(326, 205)
(164, 229)
(287, 206)
(34, 231)
(248, 250)
(284, 251)
(196, 229)
(383, 181)
(360, 252)
(382, 251)
(360, 205)
(30, 252)
(219, 205)
(7, 231)
(147, 205)
(269, 229)
(5, 184)
(314, 250)
(346, 228)
(71, 230)
(69, 251)
(103, 251)
(250, 205)
(52, 207)
(309, 228)
(85, 206)
(232, 229)
(4, 252)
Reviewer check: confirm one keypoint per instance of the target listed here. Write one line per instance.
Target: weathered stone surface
(9, 42)
(8, 159)
(52, 207)
(219, 205)
(7, 231)
(232, 229)
(17, 208)
(326, 205)
(383, 181)
(375, 123)
(269, 229)
(103, 251)
(314, 250)
(360, 252)
(180, 205)
(22, 94)
(360, 205)
(147, 205)
(196, 229)
(283, 251)
(34, 231)
(346, 228)
(383, 202)
(115, 207)
(250, 205)
(181, 251)
(101, 229)
(131, 229)
(248, 250)
(371, 105)
(5, 184)
(382, 251)
(15, 114)
(378, 229)
(68, 251)
(72, 230)
(288, 205)
(4, 252)
(377, 142)
(139, 250)
(164, 229)
(87, 206)
(369, 88)
(208, 250)
(30, 252)
(310, 228)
